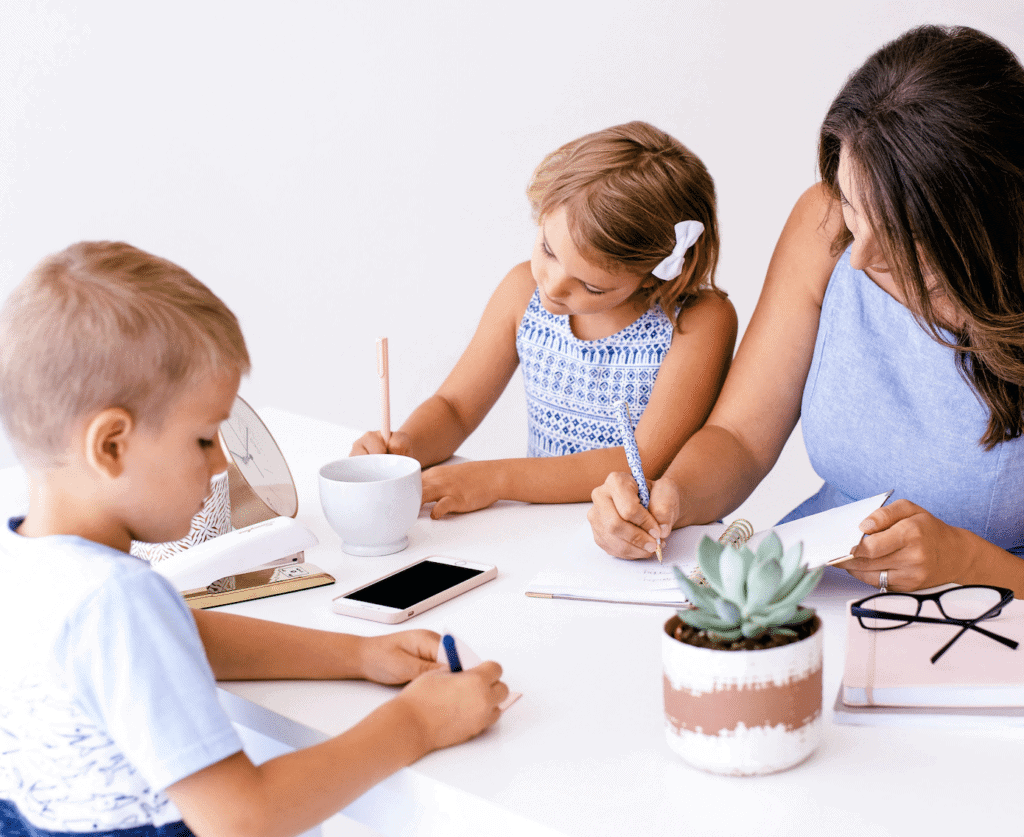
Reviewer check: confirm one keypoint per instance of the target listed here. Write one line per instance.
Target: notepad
(956, 717)
(894, 668)
(470, 659)
(587, 573)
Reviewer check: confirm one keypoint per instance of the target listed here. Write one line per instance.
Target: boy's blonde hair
(104, 324)
(624, 190)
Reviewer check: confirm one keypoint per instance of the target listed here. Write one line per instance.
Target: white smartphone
(413, 589)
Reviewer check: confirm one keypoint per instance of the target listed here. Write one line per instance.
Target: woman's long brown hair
(933, 127)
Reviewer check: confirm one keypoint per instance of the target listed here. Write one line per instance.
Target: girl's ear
(106, 441)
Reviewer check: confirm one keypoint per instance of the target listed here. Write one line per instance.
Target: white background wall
(337, 171)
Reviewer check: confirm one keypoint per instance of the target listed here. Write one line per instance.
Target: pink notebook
(894, 668)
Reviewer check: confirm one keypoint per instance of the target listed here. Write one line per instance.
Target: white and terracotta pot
(743, 713)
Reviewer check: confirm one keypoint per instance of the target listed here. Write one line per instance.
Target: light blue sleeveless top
(885, 407)
(572, 385)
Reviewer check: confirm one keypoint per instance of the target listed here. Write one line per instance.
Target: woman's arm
(688, 381)
(722, 463)
(435, 429)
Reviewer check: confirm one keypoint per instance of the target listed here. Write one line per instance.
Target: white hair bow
(687, 232)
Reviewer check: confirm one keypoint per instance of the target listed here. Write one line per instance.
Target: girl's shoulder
(708, 310)
(516, 290)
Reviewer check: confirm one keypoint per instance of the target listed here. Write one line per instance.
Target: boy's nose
(218, 459)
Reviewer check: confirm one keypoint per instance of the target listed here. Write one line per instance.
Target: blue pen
(454, 663)
(633, 458)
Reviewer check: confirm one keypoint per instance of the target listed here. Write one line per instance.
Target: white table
(583, 752)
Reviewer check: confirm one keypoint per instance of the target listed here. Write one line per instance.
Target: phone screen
(413, 584)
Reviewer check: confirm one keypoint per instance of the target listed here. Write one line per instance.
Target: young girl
(618, 301)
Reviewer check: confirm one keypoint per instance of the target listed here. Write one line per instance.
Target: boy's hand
(373, 442)
(393, 659)
(452, 708)
(622, 526)
(462, 487)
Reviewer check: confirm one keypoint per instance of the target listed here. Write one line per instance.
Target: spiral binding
(736, 533)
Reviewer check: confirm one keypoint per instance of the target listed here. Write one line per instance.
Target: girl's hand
(462, 487)
(393, 659)
(451, 708)
(622, 526)
(914, 547)
(373, 442)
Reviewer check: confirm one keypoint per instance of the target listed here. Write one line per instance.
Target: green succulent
(748, 594)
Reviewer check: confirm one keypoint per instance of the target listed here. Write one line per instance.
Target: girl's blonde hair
(104, 324)
(624, 190)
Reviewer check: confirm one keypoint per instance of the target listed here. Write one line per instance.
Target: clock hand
(244, 460)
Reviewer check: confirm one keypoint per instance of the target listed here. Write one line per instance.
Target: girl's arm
(440, 424)
(722, 463)
(292, 793)
(688, 382)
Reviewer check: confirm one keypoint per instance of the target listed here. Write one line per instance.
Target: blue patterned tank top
(885, 407)
(572, 385)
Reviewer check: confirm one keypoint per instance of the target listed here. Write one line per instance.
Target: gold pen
(658, 550)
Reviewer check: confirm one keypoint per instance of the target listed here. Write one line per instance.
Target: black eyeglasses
(964, 606)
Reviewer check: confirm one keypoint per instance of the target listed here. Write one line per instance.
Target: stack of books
(889, 677)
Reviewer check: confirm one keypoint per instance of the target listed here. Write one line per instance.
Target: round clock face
(259, 460)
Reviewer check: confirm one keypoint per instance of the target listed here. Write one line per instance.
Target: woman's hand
(622, 526)
(914, 547)
(373, 442)
(462, 487)
(398, 658)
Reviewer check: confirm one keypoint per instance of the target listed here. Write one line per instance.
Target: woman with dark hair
(892, 322)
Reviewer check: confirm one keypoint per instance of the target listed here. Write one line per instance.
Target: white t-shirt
(106, 695)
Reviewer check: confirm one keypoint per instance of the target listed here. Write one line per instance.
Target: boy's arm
(292, 793)
(440, 424)
(688, 382)
(242, 648)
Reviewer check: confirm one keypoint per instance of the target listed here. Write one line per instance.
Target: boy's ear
(106, 440)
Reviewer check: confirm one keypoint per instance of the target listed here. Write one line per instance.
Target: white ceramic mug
(372, 501)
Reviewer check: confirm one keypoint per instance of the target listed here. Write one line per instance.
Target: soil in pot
(701, 639)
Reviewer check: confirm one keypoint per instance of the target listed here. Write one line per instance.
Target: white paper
(827, 535)
(588, 573)
(470, 659)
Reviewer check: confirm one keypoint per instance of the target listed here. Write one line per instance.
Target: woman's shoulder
(818, 209)
(806, 253)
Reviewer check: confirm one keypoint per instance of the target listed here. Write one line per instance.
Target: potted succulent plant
(743, 666)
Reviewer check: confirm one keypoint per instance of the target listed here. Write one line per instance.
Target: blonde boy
(116, 369)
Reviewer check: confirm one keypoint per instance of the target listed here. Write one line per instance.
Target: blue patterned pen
(636, 468)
